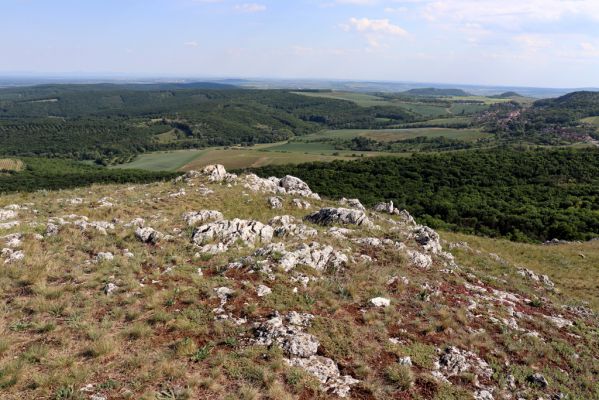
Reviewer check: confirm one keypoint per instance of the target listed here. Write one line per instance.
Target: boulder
(148, 235)
(218, 173)
(419, 260)
(285, 225)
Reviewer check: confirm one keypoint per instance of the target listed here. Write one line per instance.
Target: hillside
(237, 287)
(114, 123)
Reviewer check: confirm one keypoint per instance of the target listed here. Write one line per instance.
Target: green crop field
(162, 160)
(361, 99)
(591, 120)
(389, 135)
(424, 109)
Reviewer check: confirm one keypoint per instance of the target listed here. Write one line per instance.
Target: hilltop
(215, 285)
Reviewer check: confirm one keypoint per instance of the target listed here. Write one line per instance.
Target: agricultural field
(162, 160)
(361, 99)
(11, 164)
(390, 135)
(591, 120)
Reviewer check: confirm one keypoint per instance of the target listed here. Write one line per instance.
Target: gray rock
(380, 302)
(427, 238)
(110, 288)
(195, 217)
(275, 202)
(218, 173)
(148, 235)
(329, 216)
(538, 379)
(285, 225)
(228, 232)
(301, 204)
(419, 260)
(327, 372)
(352, 203)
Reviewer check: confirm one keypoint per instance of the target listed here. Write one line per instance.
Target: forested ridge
(525, 195)
(112, 124)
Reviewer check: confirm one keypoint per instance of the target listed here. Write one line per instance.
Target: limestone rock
(419, 260)
(148, 235)
(194, 217)
(380, 302)
(275, 202)
(285, 225)
(263, 290)
(329, 216)
(352, 203)
(228, 232)
(301, 204)
(218, 173)
(427, 238)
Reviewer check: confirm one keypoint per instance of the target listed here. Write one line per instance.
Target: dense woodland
(112, 123)
(42, 173)
(524, 195)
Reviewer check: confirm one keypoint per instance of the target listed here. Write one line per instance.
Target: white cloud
(191, 43)
(509, 12)
(379, 26)
(250, 7)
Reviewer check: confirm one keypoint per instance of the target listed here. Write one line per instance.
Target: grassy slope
(152, 341)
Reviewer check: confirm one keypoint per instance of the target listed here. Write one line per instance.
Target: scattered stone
(327, 372)
(287, 185)
(538, 379)
(195, 217)
(13, 240)
(380, 302)
(483, 395)
(419, 260)
(275, 202)
(263, 290)
(110, 288)
(107, 256)
(301, 204)
(454, 361)
(148, 235)
(559, 321)
(329, 216)
(11, 256)
(407, 361)
(7, 214)
(51, 229)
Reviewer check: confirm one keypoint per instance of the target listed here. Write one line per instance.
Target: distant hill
(436, 92)
(580, 104)
(506, 95)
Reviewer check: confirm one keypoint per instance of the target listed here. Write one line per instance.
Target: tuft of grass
(401, 376)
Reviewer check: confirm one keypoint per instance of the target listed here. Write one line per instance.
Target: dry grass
(156, 337)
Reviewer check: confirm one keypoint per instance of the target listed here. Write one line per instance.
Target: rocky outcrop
(345, 216)
(227, 232)
(11, 256)
(453, 361)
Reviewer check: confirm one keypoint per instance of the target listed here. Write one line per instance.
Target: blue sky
(552, 43)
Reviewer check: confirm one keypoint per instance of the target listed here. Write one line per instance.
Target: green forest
(523, 195)
(52, 174)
